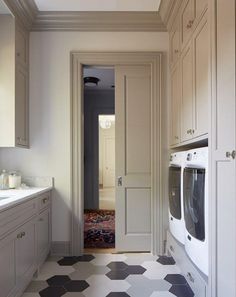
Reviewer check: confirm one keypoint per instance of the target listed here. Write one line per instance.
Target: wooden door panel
(133, 158)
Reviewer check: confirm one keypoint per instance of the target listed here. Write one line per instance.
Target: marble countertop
(10, 198)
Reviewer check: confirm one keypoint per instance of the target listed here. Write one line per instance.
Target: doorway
(99, 157)
(141, 71)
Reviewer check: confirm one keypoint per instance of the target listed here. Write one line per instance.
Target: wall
(95, 103)
(7, 79)
(50, 108)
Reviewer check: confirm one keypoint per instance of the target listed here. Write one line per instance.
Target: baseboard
(61, 248)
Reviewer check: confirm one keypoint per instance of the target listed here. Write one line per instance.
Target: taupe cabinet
(189, 60)
(25, 237)
(14, 80)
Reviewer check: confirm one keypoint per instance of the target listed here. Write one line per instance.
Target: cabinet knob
(19, 235)
(231, 154)
(45, 200)
(176, 51)
(18, 54)
(190, 24)
(176, 137)
(172, 249)
(41, 220)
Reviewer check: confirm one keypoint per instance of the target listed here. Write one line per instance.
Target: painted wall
(103, 135)
(95, 103)
(50, 108)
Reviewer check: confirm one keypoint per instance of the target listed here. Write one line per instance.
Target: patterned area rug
(99, 229)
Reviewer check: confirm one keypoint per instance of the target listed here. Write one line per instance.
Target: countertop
(10, 198)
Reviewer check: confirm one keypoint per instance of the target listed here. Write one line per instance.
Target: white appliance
(195, 195)
(176, 209)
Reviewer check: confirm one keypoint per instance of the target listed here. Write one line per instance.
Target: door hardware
(119, 181)
(232, 155)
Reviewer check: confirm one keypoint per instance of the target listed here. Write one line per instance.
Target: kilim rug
(99, 229)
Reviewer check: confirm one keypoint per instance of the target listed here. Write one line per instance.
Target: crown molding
(24, 10)
(98, 21)
(168, 10)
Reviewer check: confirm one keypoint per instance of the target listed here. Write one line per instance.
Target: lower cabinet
(23, 251)
(7, 264)
(43, 235)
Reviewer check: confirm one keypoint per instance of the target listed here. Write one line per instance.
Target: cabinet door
(7, 265)
(187, 20)
(26, 251)
(223, 202)
(201, 6)
(187, 94)
(175, 105)
(174, 44)
(43, 234)
(22, 45)
(21, 106)
(201, 78)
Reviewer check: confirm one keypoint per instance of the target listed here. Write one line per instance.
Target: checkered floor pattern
(109, 275)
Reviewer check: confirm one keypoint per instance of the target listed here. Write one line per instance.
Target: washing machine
(176, 209)
(195, 195)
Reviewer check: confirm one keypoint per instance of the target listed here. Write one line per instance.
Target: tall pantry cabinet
(223, 146)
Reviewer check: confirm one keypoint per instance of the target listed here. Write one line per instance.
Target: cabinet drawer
(188, 269)
(12, 218)
(44, 201)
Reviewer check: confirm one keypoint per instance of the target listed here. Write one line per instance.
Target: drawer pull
(45, 200)
(190, 277)
(172, 249)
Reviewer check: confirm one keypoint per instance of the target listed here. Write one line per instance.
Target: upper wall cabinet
(14, 83)
(190, 14)
(190, 87)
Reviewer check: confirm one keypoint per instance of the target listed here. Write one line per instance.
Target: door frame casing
(78, 60)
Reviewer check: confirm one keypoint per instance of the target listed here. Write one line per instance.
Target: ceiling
(3, 8)
(98, 5)
(106, 76)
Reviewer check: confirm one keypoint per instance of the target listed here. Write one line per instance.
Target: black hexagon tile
(181, 290)
(85, 258)
(58, 280)
(52, 292)
(69, 261)
(76, 286)
(117, 265)
(165, 260)
(176, 279)
(117, 274)
(135, 269)
(120, 270)
(118, 294)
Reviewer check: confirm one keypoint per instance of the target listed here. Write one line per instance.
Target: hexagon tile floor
(109, 275)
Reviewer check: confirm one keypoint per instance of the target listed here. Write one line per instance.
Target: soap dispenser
(4, 184)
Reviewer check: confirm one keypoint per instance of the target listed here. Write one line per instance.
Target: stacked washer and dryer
(188, 203)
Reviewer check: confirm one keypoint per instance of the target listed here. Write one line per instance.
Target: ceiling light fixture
(91, 81)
